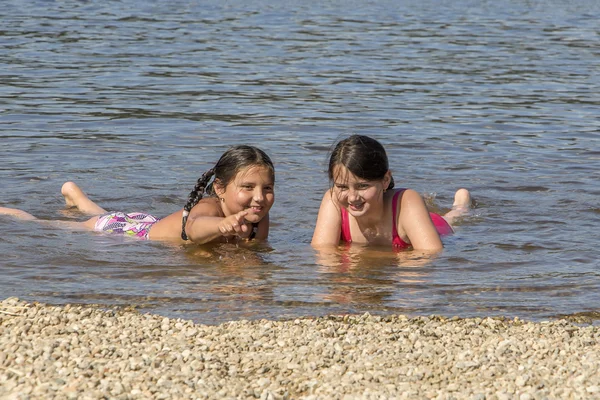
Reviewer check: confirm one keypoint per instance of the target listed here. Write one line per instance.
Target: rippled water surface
(134, 100)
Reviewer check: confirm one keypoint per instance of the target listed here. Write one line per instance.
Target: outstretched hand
(236, 225)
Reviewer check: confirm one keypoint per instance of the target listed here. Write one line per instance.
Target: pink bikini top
(440, 223)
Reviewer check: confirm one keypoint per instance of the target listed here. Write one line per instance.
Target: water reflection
(370, 275)
(231, 271)
(353, 257)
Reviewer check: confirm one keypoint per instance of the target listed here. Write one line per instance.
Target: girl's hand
(236, 225)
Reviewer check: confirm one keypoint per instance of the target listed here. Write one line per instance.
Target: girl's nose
(353, 195)
(258, 195)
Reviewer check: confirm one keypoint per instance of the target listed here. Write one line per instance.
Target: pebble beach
(85, 352)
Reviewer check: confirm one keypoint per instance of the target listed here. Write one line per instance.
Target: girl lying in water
(241, 194)
(363, 207)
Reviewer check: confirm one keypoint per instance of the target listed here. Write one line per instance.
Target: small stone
(89, 353)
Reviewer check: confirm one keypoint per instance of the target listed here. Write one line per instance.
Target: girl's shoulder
(208, 207)
(404, 198)
(408, 199)
(330, 199)
(398, 193)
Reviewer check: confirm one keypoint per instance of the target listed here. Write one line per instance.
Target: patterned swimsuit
(134, 224)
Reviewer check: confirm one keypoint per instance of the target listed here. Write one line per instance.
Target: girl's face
(252, 190)
(357, 195)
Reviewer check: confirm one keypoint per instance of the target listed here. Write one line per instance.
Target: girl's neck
(373, 220)
(219, 205)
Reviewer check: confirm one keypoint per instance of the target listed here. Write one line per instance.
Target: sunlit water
(134, 100)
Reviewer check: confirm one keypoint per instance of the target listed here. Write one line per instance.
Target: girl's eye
(247, 187)
(362, 187)
(269, 188)
(341, 188)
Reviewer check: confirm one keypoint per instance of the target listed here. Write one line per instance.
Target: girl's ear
(387, 179)
(218, 187)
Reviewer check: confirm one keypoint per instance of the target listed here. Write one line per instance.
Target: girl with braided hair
(240, 193)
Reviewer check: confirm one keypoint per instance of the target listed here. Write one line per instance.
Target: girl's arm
(203, 226)
(416, 223)
(329, 223)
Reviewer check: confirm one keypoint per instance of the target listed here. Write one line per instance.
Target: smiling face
(359, 196)
(251, 189)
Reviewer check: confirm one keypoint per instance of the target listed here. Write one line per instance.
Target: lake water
(134, 100)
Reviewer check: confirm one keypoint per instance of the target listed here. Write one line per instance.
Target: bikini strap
(345, 232)
(254, 230)
(395, 237)
(183, 222)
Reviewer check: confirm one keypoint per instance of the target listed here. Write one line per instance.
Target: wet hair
(231, 162)
(363, 156)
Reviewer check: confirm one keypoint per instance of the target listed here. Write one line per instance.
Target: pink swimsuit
(439, 222)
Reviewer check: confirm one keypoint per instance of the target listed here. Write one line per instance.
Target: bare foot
(74, 197)
(17, 213)
(462, 199)
(461, 206)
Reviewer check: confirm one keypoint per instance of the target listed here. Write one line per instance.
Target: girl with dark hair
(363, 207)
(240, 189)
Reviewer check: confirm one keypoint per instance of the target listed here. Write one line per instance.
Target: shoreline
(84, 352)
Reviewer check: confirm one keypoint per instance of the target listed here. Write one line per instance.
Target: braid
(194, 197)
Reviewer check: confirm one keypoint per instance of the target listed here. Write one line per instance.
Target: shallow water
(134, 100)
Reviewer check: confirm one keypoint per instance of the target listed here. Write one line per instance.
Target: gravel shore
(81, 352)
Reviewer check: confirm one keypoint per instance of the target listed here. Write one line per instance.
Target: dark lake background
(134, 100)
